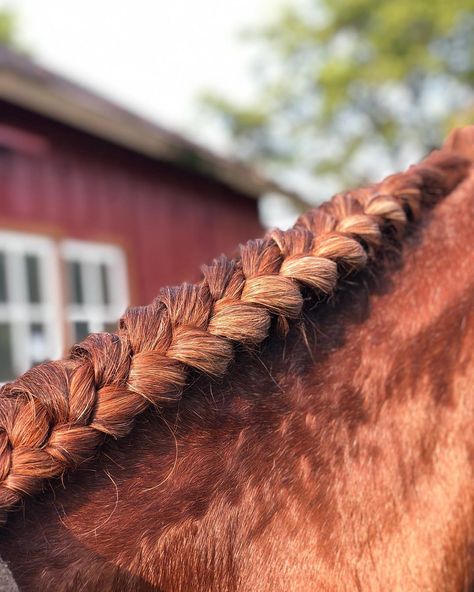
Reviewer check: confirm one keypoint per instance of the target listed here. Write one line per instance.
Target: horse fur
(300, 420)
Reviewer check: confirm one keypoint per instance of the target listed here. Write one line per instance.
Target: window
(34, 309)
(30, 316)
(96, 286)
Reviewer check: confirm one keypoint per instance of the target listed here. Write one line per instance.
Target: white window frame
(95, 314)
(18, 312)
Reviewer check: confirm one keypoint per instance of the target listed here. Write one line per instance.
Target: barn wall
(168, 220)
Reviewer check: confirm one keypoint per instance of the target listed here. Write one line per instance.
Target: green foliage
(344, 80)
(7, 28)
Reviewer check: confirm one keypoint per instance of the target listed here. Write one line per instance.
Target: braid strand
(58, 414)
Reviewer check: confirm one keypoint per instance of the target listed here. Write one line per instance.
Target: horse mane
(58, 414)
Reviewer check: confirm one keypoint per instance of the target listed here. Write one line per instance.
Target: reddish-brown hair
(302, 417)
(57, 415)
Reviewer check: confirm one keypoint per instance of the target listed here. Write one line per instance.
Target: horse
(299, 420)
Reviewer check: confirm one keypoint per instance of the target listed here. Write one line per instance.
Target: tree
(8, 28)
(349, 89)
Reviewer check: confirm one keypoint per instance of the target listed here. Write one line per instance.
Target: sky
(153, 56)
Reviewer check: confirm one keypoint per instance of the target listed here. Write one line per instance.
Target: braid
(57, 415)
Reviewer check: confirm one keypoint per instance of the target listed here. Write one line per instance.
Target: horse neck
(330, 454)
(391, 412)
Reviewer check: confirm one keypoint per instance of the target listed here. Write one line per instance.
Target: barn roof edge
(28, 84)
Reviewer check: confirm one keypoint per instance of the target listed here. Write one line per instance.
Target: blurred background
(139, 140)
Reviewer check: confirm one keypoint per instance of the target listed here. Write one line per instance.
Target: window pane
(80, 330)
(6, 363)
(92, 283)
(104, 279)
(33, 278)
(76, 293)
(38, 344)
(3, 278)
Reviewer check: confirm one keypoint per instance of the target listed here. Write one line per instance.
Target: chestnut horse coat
(301, 419)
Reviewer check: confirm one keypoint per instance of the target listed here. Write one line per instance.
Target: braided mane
(58, 414)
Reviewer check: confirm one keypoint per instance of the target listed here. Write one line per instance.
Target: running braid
(58, 414)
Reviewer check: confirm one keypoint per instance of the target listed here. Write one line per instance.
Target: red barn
(99, 208)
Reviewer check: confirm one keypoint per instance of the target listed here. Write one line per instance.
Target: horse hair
(58, 414)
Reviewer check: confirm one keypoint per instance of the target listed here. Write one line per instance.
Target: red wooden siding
(168, 220)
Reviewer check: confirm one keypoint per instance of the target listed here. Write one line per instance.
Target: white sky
(155, 57)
